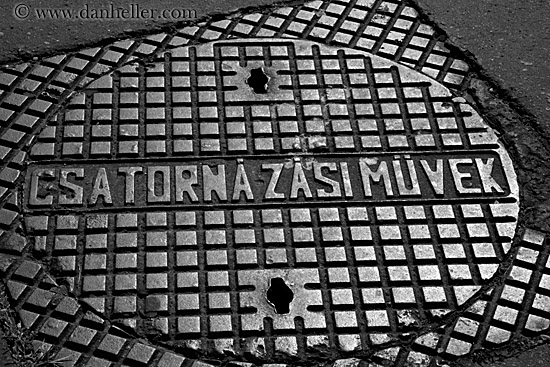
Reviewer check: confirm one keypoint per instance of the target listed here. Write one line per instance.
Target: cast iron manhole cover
(270, 196)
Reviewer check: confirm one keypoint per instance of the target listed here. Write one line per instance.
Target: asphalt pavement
(536, 357)
(509, 39)
(24, 36)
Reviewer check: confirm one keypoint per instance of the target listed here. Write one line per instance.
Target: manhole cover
(270, 196)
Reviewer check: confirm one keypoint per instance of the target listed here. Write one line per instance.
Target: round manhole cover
(258, 197)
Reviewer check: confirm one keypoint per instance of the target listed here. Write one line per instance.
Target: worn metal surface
(32, 92)
(427, 259)
(378, 200)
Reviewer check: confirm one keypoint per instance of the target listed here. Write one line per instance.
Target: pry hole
(280, 295)
(258, 81)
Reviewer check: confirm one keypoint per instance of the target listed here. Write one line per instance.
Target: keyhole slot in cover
(258, 81)
(280, 295)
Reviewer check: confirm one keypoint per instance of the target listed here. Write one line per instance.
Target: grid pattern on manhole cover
(378, 200)
(331, 91)
(32, 91)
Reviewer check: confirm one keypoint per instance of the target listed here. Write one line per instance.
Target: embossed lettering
(458, 176)
(299, 181)
(184, 184)
(486, 175)
(277, 168)
(101, 188)
(381, 174)
(35, 178)
(130, 185)
(318, 174)
(435, 176)
(241, 183)
(214, 183)
(78, 191)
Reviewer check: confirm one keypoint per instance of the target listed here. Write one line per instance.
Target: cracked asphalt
(509, 39)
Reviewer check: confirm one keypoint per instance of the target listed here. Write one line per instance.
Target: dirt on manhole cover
(263, 197)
